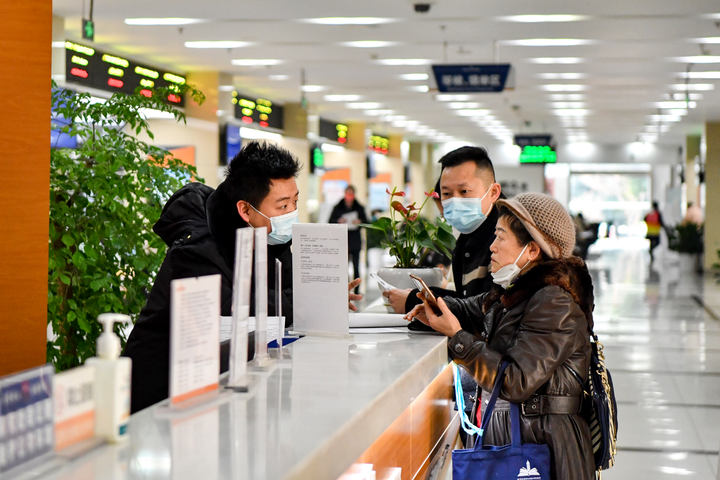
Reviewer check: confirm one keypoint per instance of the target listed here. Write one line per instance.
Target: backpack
(599, 407)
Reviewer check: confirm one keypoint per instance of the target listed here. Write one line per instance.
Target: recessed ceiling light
(548, 42)
(556, 60)
(342, 98)
(313, 88)
(349, 20)
(60, 44)
(677, 111)
(412, 76)
(472, 112)
(217, 44)
(452, 98)
(278, 78)
(706, 40)
(369, 44)
(256, 62)
(363, 105)
(693, 87)
(543, 18)
(226, 88)
(702, 75)
(163, 21)
(699, 59)
(675, 104)
(563, 87)
(562, 76)
(690, 96)
(404, 61)
(419, 88)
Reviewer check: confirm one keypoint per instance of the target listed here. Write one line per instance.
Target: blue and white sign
(473, 78)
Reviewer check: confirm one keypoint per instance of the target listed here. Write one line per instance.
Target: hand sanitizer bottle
(112, 382)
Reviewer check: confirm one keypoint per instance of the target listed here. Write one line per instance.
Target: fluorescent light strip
(278, 78)
(312, 88)
(217, 44)
(675, 104)
(701, 75)
(404, 61)
(571, 96)
(349, 20)
(543, 18)
(163, 21)
(452, 98)
(256, 62)
(568, 105)
(473, 112)
(563, 87)
(369, 44)
(548, 42)
(562, 76)
(693, 87)
(419, 88)
(363, 105)
(699, 59)
(342, 98)
(412, 76)
(556, 60)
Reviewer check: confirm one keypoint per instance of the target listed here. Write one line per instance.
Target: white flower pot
(690, 263)
(400, 277)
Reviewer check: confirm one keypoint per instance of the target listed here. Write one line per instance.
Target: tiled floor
(663, 350)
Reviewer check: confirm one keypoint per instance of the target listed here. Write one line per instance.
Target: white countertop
(309, 416)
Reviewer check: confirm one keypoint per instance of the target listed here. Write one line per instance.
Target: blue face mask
(281, 226)
(465, 214)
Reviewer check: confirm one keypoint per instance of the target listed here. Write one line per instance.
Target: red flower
(397, 206)
(432, 194)
(396, 194)
(412, 217)
(412, 207)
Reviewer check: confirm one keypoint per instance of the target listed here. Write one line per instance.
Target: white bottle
(112, 382)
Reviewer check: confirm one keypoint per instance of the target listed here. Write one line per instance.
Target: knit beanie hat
(546, 220)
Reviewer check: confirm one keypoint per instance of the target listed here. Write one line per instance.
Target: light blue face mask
(465, 214)
(281, 226)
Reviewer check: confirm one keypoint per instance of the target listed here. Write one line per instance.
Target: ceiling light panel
(701, 75)
(472, 112)
(563, 88)
(342, 98)
(404, 61)
(414, 76)
(571, 96)
(568, 105)
(369, 44)
(699, 59)
(571, 112)
(278, 78)
(163, 21)
(452, 98)
(548, 42)
(217, 44)
(313, 88)
(562, 76)
(556, 60)
(349, 20)
(675, 104)
(543, 18)
(363, 105)
(419, 88)
(457, 105)
(693, 87)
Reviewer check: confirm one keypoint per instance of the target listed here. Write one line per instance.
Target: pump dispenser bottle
(112, 382)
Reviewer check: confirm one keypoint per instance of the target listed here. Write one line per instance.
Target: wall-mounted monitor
(336, 132)
(258, 111)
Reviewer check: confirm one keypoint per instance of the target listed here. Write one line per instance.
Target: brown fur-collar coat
(541, 324)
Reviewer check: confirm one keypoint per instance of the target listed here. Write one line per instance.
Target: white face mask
(281, 227)
(507, 274)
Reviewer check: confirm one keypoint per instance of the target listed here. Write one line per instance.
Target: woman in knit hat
(537, 317)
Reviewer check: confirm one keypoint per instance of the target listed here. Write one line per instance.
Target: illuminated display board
(337, 132)
(93, 68)
(379, 144)
(258, 111)
(536, 154)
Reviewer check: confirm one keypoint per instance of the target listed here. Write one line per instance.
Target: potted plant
(687, 240)
(105, 196)
(410, 238)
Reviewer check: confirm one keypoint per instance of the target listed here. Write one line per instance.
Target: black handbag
(599, 407)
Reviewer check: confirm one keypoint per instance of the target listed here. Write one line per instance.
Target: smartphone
(427, 293)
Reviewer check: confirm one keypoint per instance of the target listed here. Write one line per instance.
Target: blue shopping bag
(516, 461)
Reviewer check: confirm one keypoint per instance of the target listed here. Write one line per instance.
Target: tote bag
(516, 461)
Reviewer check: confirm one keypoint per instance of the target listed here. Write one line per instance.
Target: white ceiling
(629, 64)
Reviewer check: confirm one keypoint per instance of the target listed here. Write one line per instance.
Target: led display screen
(258, 111)
(533, 154)
(93, 68)
(379, 144)
(337, 132)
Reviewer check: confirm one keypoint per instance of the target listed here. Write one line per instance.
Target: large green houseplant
(105, 196)
(687, 240)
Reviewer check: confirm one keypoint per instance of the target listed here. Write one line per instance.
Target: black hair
(437, 186)
(251, 172)
(469, 154)
(656, 206)
(351, 188)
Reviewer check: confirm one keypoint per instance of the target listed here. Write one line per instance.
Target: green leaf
(64, 279)
(424, 240)
(68, 240)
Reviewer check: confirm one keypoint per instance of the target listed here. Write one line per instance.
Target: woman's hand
(353, 296)
(446, 323)
(418, 312)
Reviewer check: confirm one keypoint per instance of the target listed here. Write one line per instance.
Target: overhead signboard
(259, 111)
(379, 144)
(533, 154)
(337, 132)
(93, 68)
(535, 140)
(474, 78)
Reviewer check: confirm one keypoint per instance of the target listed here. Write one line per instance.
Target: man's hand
(353, 296)
(446, 323)
(397, 298)
(418, 313)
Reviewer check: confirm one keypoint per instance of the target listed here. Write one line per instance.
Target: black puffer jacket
(541, 326)
(198, 224)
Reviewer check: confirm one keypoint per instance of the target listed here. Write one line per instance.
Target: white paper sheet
(194, 336)
(320, 281)
(350, 218)
(367, 320)
(273, 327)
(238, 325)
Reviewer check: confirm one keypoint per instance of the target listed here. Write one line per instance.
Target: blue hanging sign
(473, 78)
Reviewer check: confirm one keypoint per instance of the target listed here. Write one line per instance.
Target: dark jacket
(198, 225)
(354, 241)
(470, 264)
(541, 325)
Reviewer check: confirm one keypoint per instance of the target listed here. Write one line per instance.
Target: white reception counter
(310, 416)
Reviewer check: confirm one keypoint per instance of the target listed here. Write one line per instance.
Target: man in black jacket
(349, 211)
(198, 224)
(468, 192)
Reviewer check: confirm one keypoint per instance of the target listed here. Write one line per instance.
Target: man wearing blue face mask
(198, 224)
(468, 192)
